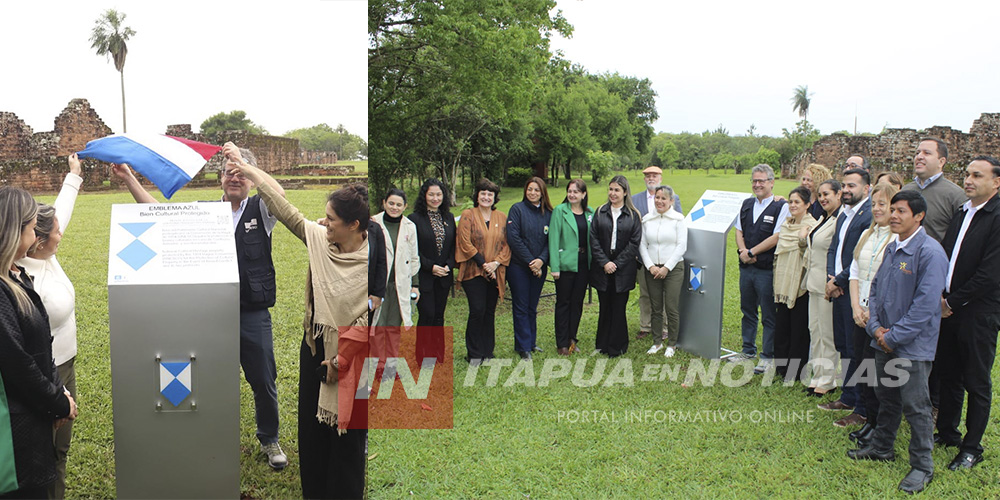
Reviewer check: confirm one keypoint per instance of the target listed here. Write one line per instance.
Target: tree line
(461, 89)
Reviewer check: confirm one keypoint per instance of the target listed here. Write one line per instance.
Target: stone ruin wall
(895, 148)
(36, 161)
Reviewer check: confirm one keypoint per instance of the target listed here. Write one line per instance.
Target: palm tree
(800, 100)
(109, 37)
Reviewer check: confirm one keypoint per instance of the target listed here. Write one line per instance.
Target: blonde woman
(867, 258)
(59, 298)
(811, 177)
(34, 400)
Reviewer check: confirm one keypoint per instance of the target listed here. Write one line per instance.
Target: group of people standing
(852, 282)
(624, 241)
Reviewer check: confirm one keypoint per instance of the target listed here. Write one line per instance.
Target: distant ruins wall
(895, 148)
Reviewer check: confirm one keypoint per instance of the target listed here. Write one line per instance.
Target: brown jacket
(474, 239)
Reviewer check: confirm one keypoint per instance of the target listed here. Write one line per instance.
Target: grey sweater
(944, 198)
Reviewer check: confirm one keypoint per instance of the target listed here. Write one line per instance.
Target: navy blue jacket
(528, 233)
(905, 297)
(859, 223)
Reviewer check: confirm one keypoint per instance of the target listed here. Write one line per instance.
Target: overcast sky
(288, 64)
(903, 64)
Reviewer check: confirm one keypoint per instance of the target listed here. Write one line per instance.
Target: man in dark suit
(854, 218)
(643, 201)
(971, 311)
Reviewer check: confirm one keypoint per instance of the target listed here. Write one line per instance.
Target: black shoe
(965, 460)
(809, 390)
(869, 453)
(525, 355)
(915, 481)
(855, 435)
(867, 438)
(940, 440)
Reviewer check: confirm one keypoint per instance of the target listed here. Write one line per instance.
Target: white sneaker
(669, 353)
(654, 349)
(762, 366)
(275, 457)
(739, 357)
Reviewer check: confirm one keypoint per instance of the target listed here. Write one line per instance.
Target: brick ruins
(895, 148)
(36, 161)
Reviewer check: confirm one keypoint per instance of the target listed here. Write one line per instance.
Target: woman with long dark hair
(569, 259)
(332, 423)
(436, 245)
(35, 400)
(615, 234)
(483, 256)
(824, 358)
(528, 239)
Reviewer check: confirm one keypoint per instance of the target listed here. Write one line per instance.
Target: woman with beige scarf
(332, 423)
(483, 256)
(791, 325)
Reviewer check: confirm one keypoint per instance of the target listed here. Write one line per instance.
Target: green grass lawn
(510, 441)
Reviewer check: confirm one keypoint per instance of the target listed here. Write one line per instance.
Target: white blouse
(664, 239)
(51, 283)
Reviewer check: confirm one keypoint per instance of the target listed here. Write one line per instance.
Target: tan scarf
(790, 262)
(336, 296)
(474, 237)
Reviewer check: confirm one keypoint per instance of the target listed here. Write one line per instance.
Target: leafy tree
(601, 164)
(724, 161)
(798, 140)
(108, 38)
(233, 120)
(640, 97)
(322, 137)
(450, 69)
(670, 155)
(769, 157)
(800, 101)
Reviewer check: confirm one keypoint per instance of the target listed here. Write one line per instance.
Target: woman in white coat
(402, 289)
(59, 298)
(664, 241)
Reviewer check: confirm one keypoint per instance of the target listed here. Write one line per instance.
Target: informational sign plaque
(173, 305)
(703, 291)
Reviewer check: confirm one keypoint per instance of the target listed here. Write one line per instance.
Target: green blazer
(564, 242)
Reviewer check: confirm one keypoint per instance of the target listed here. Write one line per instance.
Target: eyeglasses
(852, 165)
(759, 181)
(229, 174)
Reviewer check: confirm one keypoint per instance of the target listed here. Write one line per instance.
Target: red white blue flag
(167, 161)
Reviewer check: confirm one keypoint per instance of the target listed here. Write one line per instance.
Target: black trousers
(480, 330)
(612, 324)
(571, 288)
(330, 465)
(432, 303)
(872, 404)
(430, 331)
(791, 337)
(966, 351)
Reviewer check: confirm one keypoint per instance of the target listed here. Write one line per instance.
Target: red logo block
(408, 381)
